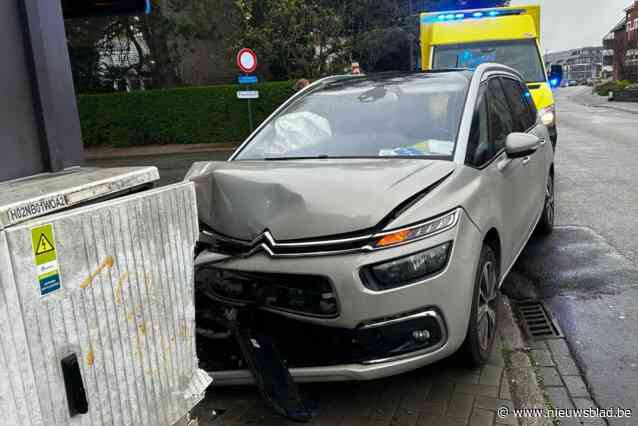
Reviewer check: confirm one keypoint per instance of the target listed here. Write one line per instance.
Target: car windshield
(414, 115)
(522, 55)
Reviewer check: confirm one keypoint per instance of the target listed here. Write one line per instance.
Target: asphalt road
(586, 271)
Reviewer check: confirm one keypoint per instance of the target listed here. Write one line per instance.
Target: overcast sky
(568, 24)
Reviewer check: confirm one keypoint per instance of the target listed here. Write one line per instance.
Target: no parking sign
(247, 60)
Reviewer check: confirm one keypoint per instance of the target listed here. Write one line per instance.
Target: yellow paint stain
(119, 293)
(138, 347)
(142, 328)
(107, 263)
(183, 329)
(130, 316)
(147, 279)
(90, 358)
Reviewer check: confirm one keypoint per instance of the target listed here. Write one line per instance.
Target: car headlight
(408, 269)
(418, 231)
(547, 115)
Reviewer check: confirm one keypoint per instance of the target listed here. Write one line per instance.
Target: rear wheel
(482, 328)
(546, 223)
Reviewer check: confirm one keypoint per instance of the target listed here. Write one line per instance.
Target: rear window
(414, 115)
(522, 55)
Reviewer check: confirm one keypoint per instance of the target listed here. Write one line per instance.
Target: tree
(293, 37)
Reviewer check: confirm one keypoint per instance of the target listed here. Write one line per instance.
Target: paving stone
(505, 388)
(361, 421)
(559, 397)
(559, 347)
(441, 391)
(481, 417)
(405, 418)
(460, 406)
(491, 375)
(429, 420)
(477, 390)
(566, 366)
(593, 422)
(496, 357)
(415, 395)
(537, 344)
(569, 422)
(434, 408)
(520, 359)
(576, 386)
(584, 403)
(550, 376)
(486, 403)
(542, 357)
(465, 376)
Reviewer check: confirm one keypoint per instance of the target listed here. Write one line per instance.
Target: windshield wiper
(315, 157)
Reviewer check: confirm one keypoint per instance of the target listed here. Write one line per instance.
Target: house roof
(620, 25)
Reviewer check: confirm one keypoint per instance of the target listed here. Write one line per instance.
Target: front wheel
(546, 223)
(482, 328)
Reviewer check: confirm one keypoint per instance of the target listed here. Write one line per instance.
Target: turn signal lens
(417, 232)
(397, 237)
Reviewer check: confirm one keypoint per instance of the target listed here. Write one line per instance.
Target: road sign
(248, 94)
(247, 60)
(247, 79)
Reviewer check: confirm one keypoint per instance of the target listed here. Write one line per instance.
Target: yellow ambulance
(507, 35)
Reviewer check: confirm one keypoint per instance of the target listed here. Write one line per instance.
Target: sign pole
(247, 63)
(250, 116)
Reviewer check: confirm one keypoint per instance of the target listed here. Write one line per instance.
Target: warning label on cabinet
(46, 259)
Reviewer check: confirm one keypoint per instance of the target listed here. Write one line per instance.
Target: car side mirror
(555, 75)
(519, 145)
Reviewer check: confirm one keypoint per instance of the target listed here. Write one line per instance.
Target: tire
(481, 331)
(546, 223)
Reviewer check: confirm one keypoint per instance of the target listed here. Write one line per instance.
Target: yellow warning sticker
(46, 259)
(44, 245)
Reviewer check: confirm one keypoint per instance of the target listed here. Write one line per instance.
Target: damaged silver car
(366, 227)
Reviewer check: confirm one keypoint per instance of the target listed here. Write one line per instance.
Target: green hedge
(187, 115)
(611, 86)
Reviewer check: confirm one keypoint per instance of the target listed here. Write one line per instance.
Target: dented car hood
(310, 198)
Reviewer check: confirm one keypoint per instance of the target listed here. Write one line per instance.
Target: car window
(414, 115)
(501, 122)
(522, 55)
(479, 148)
(521, 112)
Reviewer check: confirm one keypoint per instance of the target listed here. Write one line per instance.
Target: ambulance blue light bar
(478, 14)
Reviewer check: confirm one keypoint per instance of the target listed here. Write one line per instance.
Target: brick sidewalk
(439, 395)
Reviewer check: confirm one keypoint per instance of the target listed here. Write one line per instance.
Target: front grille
(311, 295)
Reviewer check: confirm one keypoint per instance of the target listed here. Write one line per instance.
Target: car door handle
(526, 160)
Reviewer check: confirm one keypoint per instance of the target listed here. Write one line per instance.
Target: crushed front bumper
(373, 334)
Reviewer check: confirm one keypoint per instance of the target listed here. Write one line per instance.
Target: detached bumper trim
(336, 373)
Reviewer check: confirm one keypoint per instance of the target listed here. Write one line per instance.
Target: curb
(102, 153)
(521, 374)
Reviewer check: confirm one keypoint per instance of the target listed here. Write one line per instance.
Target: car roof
(452, 75)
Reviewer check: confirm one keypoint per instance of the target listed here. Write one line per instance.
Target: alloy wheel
(487, 305)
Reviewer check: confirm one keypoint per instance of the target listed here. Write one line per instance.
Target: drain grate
(539, 323)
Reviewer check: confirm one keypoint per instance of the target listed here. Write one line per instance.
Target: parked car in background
(369, 223)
